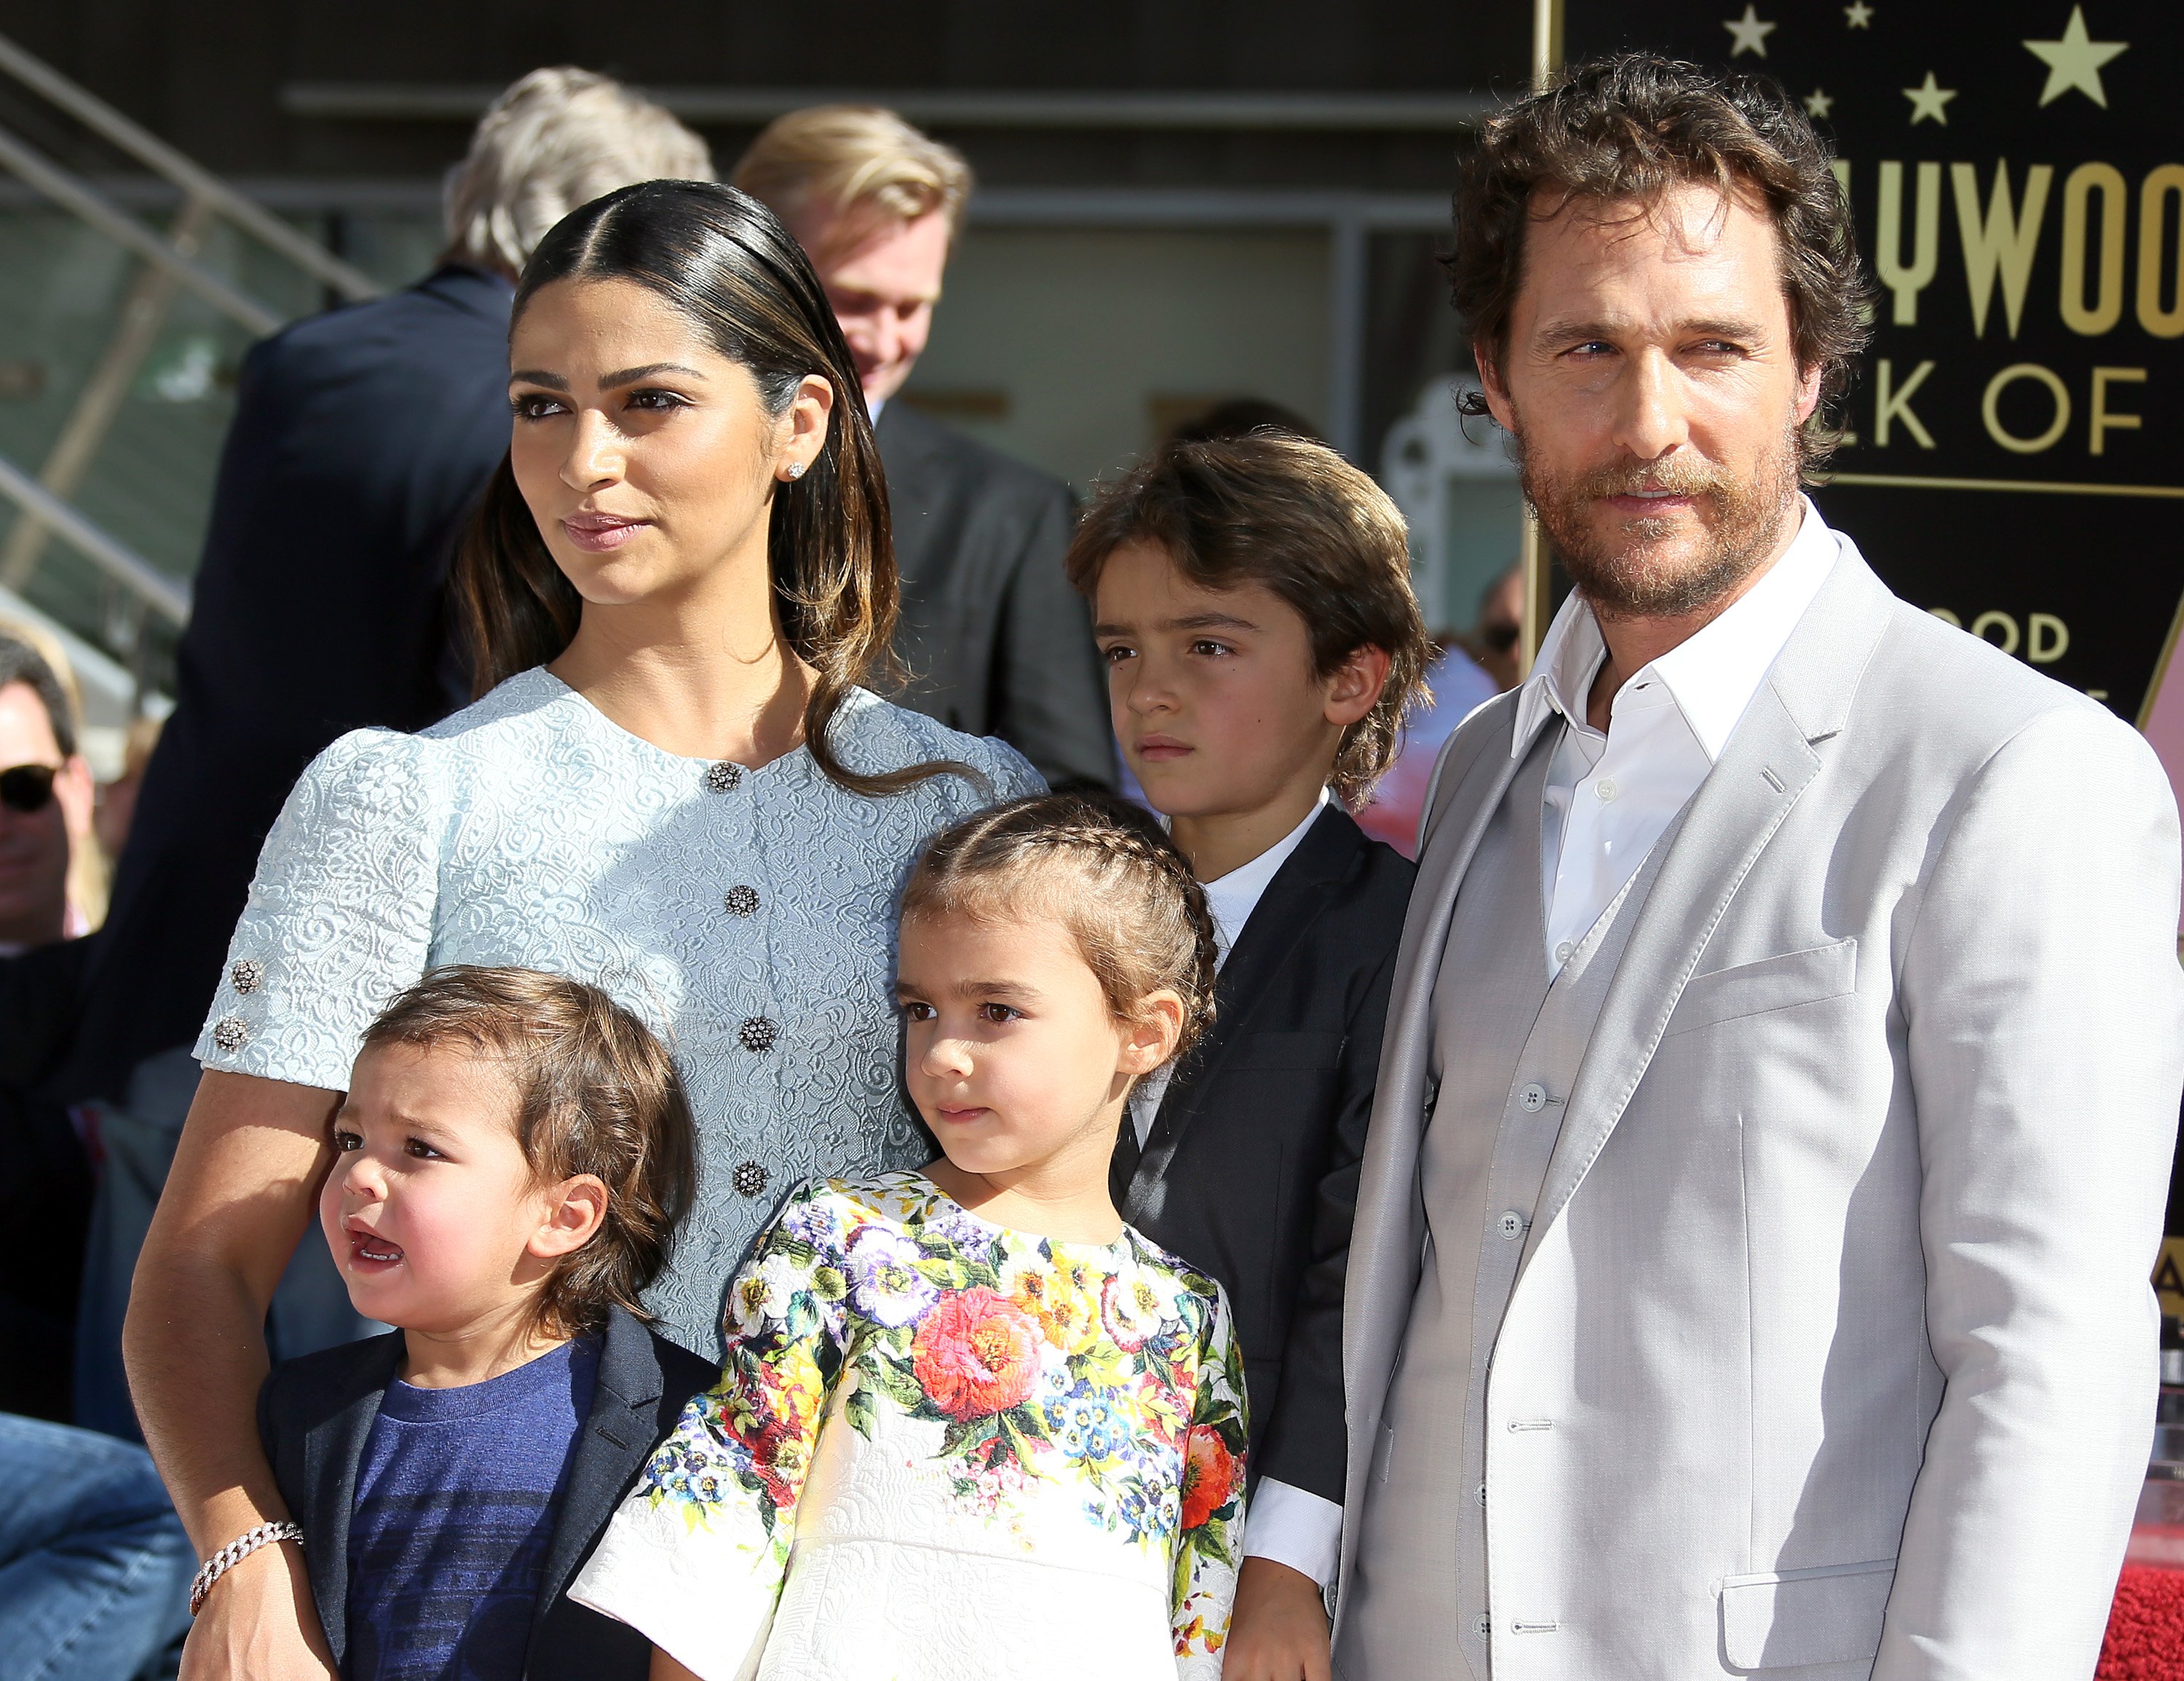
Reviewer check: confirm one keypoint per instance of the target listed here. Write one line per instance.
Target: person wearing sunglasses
(45, 1175)
(46, 795)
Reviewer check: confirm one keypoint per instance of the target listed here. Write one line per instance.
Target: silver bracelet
(234, 1553)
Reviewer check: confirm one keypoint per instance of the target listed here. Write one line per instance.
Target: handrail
(119, 562)
(155, 154)
(74, 194)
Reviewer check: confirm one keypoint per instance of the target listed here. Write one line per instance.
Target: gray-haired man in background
(361, 437)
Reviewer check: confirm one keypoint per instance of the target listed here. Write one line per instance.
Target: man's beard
(1619, 574)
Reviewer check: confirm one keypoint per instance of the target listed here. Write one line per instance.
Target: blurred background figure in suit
(361, 439)
(996, 641)
(45, 1172)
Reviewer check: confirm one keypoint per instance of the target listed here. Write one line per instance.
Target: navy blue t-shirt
(456, 1497)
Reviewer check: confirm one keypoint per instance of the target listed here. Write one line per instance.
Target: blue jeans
(94, 1567)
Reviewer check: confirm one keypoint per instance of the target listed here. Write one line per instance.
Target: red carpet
(2146, 1629)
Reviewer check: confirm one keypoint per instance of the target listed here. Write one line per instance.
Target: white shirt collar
(1234, 897)
(1712, 675)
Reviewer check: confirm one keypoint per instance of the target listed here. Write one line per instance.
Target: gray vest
(1506, 1048)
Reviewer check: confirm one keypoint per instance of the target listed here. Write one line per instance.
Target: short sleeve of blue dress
(339, 918)
(747, 915)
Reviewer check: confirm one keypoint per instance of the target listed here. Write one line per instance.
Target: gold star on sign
(1927, 101)
(2074, 61)
(1859, 13)
(1749, 33)
(1818, 104)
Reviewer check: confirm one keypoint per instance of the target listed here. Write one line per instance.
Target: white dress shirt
(1610, 797)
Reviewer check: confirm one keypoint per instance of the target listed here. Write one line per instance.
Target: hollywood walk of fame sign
(2016, 170)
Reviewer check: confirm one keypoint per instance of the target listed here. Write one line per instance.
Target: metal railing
(170, 268)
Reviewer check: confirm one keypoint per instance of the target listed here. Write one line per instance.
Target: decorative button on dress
(747, 915)
(943, 1451)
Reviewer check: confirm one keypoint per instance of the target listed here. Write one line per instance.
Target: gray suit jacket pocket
(1829, 1614)
(1772, 983)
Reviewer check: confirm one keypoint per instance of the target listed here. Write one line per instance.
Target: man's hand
(260, 1624)
(1278, 1631)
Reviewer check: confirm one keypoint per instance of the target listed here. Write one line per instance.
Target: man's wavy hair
(1623, 131)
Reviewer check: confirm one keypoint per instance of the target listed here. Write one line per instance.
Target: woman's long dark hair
(722, 259)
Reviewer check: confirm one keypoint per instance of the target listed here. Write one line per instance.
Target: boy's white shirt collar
(1231, 899)
(1234, 897)
(1711, 675)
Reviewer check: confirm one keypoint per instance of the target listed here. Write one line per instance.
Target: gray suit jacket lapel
(1768, 762)
(1385, 1242)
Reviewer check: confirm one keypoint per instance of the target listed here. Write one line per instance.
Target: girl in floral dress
(971, 1427)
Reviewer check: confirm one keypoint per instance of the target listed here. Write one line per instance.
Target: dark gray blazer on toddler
(315, 1415)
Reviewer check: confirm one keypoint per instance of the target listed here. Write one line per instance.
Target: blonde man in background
(360, 441)
(996, 642)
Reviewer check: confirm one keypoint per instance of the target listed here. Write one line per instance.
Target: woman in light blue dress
(672, 786)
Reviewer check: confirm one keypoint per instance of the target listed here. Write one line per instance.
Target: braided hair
(1107, 871)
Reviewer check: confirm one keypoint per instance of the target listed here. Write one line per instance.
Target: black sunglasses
(27, 788)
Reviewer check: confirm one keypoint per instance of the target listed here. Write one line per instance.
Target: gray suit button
(1564, 952)
(1484, 1627)
(1511, 1224)
(1482, 1493)
(1533, 1098)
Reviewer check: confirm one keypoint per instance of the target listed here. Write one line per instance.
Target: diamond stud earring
(795, 470)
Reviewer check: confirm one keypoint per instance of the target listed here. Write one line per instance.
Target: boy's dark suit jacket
(1250, 1172)
(997, 642)
(316, 1414)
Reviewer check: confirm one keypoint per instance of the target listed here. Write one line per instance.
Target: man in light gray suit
(1750, 1262)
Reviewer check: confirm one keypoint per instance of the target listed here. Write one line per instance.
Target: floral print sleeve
(695, 1556)
(932, 1431)
(1207, 1544)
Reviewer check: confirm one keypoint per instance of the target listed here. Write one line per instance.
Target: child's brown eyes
(346, 1142)
(999, 1014)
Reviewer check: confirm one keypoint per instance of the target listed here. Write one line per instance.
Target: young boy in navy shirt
(1251, 598)
(513, 1156)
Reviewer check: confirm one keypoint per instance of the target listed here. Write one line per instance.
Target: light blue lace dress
(749, 915)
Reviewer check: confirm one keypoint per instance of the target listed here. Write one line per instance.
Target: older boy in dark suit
(1251, 598)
